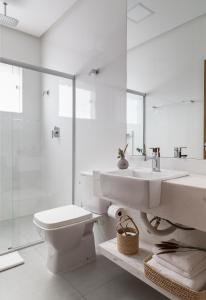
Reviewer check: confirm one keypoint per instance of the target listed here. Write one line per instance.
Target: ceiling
(36, 16)
(148, 19)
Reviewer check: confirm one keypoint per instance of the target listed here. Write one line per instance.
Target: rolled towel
(196, 270)
(187, 261)
(197, 283)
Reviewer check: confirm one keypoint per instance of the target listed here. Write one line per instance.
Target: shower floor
(17, 232)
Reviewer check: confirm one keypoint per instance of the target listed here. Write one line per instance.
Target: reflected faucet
(178, 152)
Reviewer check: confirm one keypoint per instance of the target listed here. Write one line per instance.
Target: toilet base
(58, 261)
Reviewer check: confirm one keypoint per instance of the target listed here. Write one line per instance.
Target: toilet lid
(61, 216)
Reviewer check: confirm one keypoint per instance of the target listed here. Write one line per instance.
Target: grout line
(85, 295)
(101, 285)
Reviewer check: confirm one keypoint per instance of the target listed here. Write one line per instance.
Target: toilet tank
(90, 193)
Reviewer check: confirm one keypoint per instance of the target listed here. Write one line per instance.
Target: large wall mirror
(166, 61)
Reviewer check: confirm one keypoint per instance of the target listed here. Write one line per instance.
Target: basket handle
(119, 224)
(128, 218)
(132, 221)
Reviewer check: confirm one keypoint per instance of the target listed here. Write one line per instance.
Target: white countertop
(193, 180)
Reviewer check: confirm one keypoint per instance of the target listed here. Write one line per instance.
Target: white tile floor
(100, 280)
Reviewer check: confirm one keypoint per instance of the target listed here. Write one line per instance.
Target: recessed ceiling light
(139, 12)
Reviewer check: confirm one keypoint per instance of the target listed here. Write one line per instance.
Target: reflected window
(135, 122)
(10, 88)
(84, 102)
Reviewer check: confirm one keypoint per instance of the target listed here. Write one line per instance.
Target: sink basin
(136, 188)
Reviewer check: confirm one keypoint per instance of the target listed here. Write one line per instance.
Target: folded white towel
(188, 262)
(196, 270)
(196, 284)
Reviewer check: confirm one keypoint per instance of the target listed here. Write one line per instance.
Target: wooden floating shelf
(133, 264)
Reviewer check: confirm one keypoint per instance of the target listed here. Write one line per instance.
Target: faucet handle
(156, 151)
(180, 152)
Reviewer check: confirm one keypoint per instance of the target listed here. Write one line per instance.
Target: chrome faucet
(155, 159)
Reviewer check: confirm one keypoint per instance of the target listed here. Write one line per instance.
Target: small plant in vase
(123, 162)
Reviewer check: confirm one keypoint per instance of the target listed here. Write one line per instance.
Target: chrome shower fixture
(6, 20)
(46, 93)
(94, 72)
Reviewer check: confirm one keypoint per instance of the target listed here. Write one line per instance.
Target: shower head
(6, 20)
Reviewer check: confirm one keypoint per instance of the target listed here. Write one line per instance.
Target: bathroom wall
(19, 46)
(56, 155)
(170, 69)
(82, 40)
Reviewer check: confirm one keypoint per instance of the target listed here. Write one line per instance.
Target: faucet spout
(156, 164)
(155, 159)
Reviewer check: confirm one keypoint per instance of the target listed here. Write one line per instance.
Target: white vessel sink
(136, 188)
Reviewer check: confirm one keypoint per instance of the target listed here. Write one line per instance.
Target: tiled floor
(100, 280)
(17, 232)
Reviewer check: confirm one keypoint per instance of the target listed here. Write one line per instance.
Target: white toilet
(68, 231)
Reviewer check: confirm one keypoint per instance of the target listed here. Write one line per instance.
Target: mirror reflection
(166, 54)
(135, 121)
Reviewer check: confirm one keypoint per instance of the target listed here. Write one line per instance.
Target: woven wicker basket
(172, 287)
(127, 237)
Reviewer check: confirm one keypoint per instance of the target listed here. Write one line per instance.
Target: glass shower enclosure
(37, 109)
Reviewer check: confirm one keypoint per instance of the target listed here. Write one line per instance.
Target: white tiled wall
(56, 154)
(79, 42)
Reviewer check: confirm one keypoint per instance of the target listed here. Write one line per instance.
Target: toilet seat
(61, 216)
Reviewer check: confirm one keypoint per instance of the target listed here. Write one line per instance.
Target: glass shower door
(42, 159)
(36, 163)
(27, 193)
(6, 181)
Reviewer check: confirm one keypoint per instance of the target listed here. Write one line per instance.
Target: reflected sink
(136, 188)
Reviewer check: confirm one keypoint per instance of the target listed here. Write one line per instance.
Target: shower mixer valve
(56, 132)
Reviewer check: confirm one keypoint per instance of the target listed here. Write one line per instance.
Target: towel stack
(186, 268)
